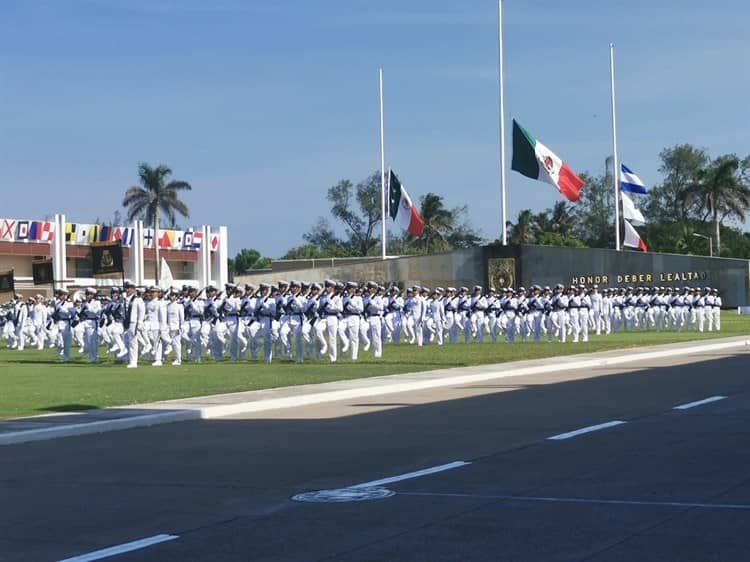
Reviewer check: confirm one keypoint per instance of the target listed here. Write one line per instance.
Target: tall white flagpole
(382, 171)
(615, 160)
(502, 119)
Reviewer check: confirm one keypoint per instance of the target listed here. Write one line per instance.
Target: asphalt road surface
(461, 474)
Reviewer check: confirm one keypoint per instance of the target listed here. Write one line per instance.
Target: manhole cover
(344, 495)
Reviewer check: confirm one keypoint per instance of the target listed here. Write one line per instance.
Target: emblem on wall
(501, 272)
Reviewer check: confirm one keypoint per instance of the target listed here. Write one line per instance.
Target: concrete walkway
(53, 426)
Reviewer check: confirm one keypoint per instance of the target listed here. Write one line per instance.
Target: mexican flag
(401, 208)
(536, 161)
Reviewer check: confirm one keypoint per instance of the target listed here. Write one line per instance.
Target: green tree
(734, 241)
(361, 223)
(306, 251)
(718, 192)
(594, 212)
(245, 260)
(681, 165)
(357, 208)
(324, 238)
(438, 223)
(248, 258)
(557, 239)
(155, 195)
(562, 219)
(671, 236)
(522, 231)
(444, 229)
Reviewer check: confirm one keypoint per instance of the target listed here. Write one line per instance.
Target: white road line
(583, 430)
(409, 475)
(582, 500)
(699, 403)
(121, 548)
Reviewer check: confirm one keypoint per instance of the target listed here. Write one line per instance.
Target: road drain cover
(344, 495)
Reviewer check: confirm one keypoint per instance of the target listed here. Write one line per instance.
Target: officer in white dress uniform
(175, 320)
(374, 303)
(450, 306)
(194, 307)
(39, 320)
(135, 313)
(352, 311)
(330, 307)
(265, 312)
(716, 309)
(230, 312)
(21, 313)
(558, 314)
(394, 316)
(63, 314)
(89, 315)
(212, 319)
(436, 316)
(294, 307)
(478, 305)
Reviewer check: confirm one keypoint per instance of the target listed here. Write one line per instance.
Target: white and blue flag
(629, 210)
(630, 182)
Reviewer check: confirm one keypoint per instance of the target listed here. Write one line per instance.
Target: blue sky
(262, 106)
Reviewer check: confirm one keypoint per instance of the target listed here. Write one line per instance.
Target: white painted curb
(210, 412)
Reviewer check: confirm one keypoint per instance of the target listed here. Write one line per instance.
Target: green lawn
(35, 382)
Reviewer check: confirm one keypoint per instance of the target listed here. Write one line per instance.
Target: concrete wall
(316, 263)
(462, 267)
(521, 265)
(547, 265)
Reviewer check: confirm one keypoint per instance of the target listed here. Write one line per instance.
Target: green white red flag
(534, 160)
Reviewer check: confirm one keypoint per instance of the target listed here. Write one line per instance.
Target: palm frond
(178, 185)
(134, 194)
(136, 210)
(171, 203)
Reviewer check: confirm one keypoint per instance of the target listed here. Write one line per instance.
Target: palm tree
(438, 224)
(522, 231)
(719, 192)
(563, 221)
(155, 195)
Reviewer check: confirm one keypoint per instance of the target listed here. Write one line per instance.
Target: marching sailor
(135, 313)
(89, 315)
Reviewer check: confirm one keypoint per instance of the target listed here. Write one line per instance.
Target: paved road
(666, 485)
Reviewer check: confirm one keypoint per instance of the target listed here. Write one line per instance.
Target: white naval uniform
(135, 313)
(175, 320)
(329, 309)
(353, 307)
(478, 305)
(194, 318)
(375, 309)
(292, 328)
(230, 310)
(265, 312)
(63, 315)
(436, 319)
(90, 315)
(39, 320)
(21, 310)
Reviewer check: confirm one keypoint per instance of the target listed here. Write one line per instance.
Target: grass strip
(35, 382)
